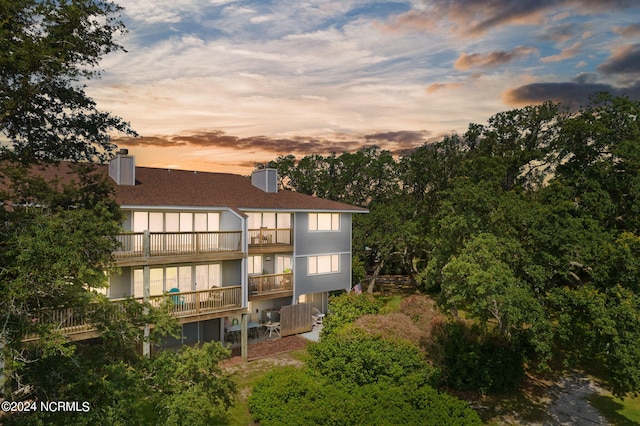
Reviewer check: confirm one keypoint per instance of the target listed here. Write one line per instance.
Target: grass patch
(245, 375)
(618, 412)
(391, 303)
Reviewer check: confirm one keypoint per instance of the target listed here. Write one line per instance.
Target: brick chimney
(122, 169)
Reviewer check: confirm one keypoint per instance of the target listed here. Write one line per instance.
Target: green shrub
(355, 357)
(348, 307)
(299, 397)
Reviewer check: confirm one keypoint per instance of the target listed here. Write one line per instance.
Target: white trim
(325, 210)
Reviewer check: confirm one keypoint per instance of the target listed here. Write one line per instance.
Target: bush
(348, 307)
(355, 357)
(299, 397)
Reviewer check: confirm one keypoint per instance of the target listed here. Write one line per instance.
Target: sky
(221, 85)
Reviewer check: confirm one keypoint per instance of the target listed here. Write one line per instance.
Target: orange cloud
(628, 31)
(567, 53)
(432, 88)
(395, 141)
(572, 94)
(475, 17)
(493, 59)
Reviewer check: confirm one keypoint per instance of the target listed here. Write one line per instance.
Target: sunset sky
(219, 85)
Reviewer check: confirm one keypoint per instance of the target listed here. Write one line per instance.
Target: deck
(189, 306)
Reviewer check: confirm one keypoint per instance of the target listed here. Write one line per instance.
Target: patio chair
(177, 300)
(317, 317)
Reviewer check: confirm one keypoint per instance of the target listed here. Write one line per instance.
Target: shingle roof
(162, 187)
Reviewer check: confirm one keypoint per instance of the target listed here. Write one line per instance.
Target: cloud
(569, 52)
(493, 59)
(624, 60)
(628, 31)
(476, 17)
(394, 141)
(572, 94)
(432, 88)
(559, 33)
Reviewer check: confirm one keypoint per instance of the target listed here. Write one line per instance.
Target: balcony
(188, 306)
(270, 239)
(270, 285)
(138, 246)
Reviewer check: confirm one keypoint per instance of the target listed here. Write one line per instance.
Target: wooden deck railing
(188, 303)
(261, 284)
(143, 244)
(267, 236)
(180, 305)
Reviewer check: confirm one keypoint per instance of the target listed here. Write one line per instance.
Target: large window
(184, 278)
(175, 222)
(324, 222)
(326, 264)
(269, 220)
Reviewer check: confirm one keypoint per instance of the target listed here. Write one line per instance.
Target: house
(227, 249)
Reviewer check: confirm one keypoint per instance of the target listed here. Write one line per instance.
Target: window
(255, 264)
(323, 264)
(269, 220)
(184, 278)
(175, 222)
(283, 264)
(324, 222)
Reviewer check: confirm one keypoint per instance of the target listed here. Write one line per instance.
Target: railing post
(146, 292)
(146, 243)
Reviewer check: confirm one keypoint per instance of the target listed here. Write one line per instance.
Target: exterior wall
(315, 243)
(321, 242)
(231, 273)
(230, 221)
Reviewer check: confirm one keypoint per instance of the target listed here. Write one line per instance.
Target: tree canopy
(47, 49)
(528, 223)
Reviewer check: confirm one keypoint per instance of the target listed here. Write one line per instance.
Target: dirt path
(571, 405)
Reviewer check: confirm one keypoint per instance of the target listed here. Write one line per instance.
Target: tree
(46, 48)
(57, 236)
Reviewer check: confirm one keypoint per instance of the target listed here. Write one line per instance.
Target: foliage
(355, 357)
(296, 397)
(46, 47)
(57, 234)
(346, 308)
(185, 387)
(528, 223)
(471, 361)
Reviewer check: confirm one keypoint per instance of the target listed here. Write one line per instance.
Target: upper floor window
(175, 221)
(324, 222)
(323, 264)
(269, 220)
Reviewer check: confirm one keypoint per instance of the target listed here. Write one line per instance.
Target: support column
(243, 337)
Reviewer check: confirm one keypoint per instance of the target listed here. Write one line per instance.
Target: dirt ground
(268, 348)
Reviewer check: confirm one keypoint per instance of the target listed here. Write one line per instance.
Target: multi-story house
(227, 249)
